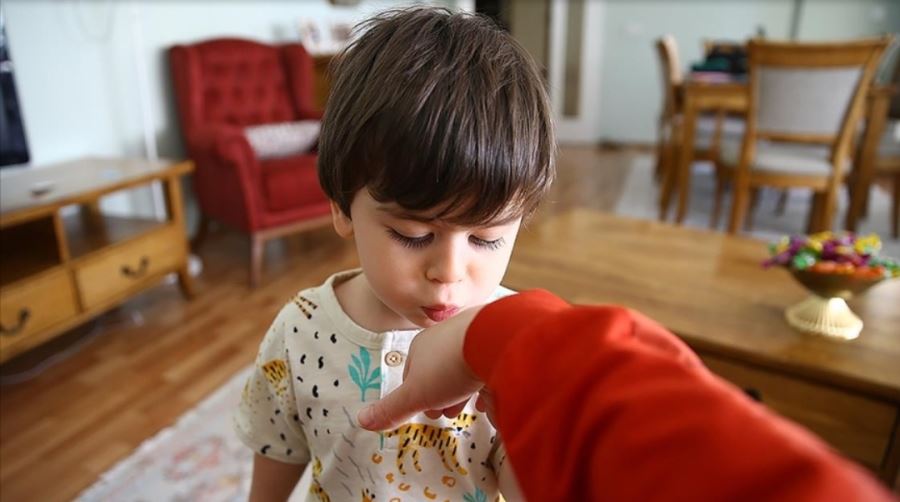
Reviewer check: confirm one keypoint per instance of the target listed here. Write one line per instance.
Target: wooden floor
(135, 370)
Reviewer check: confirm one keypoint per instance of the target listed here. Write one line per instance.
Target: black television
(13, 145)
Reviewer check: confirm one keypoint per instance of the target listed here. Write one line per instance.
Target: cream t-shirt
(315, 370)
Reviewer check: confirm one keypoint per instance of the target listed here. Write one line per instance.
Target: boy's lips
(438, 313)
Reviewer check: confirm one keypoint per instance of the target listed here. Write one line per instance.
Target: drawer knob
(127, 271)
(24, 314)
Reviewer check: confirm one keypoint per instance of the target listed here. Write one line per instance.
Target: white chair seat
(811, 160)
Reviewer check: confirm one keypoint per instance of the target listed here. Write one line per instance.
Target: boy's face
(422, 271)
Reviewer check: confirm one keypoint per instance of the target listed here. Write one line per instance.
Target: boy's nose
(447, 266)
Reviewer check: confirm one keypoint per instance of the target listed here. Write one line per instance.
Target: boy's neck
(357, 300)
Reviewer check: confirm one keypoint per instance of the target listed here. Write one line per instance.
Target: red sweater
(601, 403)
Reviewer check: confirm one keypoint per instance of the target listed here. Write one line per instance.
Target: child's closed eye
(417, 242)
(487, 244)
(409, 241)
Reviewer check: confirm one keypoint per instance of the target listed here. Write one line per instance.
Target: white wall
(76, 73)
(586, 127)
(629, 85)
(77, 78)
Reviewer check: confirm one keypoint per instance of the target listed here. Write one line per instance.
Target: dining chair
(879, 153)
(709, 129)
(670, 115)
(805, 101)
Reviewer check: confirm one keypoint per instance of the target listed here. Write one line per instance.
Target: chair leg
(738, 205)
(826, 221)
(754, 201)
(860, 183)
(257, 250)
(683, 182)
(186, 282)
(864, 207)
(895, 219)
(661, 158)
(668, 182)
(814, 221)
(721, 180)
(202, 232)
(782, 202)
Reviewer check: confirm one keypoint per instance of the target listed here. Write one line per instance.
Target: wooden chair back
(667, 51)
(809, 92)
(894, 111)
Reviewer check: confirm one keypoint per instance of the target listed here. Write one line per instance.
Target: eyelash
(420, 242)
(411, 242)
(489, 245)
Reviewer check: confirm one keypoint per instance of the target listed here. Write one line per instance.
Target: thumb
(390, 411)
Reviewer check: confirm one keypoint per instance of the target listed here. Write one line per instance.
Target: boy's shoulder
(316, 304)
(303, 303)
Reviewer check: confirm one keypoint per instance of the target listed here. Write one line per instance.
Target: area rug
(198, 459)
(640, 194)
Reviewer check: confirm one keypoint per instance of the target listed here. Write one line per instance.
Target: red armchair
(223, 86)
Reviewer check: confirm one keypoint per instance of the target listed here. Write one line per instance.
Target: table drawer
(34, 304)
(117, 271)
(859, 427)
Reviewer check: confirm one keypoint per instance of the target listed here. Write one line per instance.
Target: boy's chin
(423, 321)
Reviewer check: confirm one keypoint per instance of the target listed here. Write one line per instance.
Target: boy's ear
(342, 223)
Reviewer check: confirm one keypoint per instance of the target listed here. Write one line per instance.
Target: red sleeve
(601, 403)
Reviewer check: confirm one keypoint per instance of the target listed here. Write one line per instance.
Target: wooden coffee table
(710, 290)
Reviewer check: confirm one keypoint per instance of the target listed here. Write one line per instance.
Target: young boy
(436, 143)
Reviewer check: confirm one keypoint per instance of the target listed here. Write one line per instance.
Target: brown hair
(437, 110)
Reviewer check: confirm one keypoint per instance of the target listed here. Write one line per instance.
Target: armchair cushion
(286, 139)
(291, 182)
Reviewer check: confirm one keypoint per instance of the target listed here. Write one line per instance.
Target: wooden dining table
(698, 97)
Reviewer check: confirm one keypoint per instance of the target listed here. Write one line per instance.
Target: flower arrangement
(833, 253)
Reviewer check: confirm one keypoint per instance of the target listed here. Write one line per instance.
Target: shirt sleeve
(601, 403)
(266, 419)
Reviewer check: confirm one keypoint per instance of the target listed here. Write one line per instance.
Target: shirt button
(393, 358)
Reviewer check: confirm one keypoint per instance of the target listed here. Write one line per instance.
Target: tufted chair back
(223, 86)
(241, 83)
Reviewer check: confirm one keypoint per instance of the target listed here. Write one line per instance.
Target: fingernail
(365, 417)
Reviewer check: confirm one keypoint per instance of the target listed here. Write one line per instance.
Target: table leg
(865, 165)
(176, 215)
(669, 172)
(257, 252)
(186, 282)
(895, 212)
(686, 158)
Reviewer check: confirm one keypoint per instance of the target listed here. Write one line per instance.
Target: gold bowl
(826, 312)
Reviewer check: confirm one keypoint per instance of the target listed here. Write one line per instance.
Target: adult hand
(436, 378)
